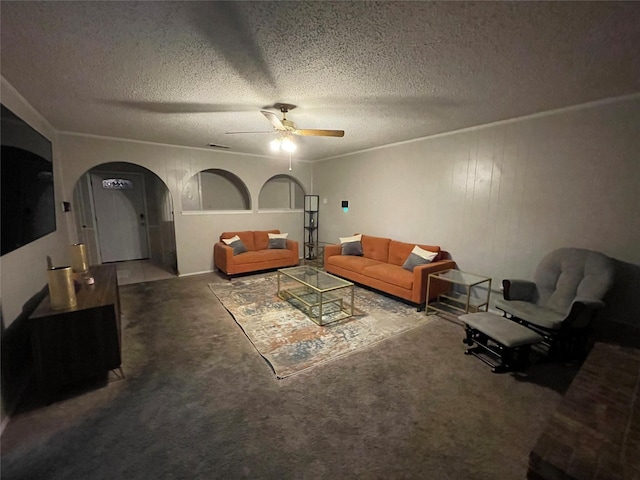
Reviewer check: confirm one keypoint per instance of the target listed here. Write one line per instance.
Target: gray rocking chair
(569, 286)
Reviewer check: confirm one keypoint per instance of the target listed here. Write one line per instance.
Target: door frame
(86, 178)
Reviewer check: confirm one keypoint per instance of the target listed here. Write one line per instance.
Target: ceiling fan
(288, 127)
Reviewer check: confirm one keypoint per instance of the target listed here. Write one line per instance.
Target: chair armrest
(421, 275)
(589, 303)
(519, 290)
(222, 256)
(581, 313)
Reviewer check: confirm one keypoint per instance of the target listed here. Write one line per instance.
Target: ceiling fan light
(275, 144)
(287, 145)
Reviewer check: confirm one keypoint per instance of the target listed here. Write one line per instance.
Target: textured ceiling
(185, 73)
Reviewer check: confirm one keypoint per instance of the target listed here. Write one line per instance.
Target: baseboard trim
(194, 273)
(8, 410)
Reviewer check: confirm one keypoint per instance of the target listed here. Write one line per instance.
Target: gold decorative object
(79, 262)
(62, 292)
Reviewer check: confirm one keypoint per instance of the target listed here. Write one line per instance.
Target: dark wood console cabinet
(81, 342)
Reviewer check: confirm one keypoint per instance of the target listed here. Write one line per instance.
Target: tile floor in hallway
(137, 271)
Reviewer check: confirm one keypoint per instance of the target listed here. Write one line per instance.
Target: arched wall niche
(155, 219)
(281, 192)
(215, 189)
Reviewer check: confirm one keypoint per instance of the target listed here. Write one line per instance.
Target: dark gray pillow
(238, 247)
(413, 261)
(418, 256)
(277, 243)
(352, 248)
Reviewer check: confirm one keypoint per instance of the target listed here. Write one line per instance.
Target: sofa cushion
(399, 251)
(376, 248)
(261, 239)
(246, 237)
(350, 262)
(278, 240)
(392, 274)
(261, 256)
(530, 312)
(418, 256)
(351, 245)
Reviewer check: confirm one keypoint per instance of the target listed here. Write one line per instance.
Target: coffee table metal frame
(314, 291)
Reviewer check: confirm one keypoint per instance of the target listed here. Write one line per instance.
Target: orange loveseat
(380, 267)
(258, 255)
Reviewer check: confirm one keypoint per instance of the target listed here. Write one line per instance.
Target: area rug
(291, 343)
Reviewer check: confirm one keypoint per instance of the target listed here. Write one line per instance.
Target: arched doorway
(124, 213)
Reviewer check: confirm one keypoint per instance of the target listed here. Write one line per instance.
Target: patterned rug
(290, 342)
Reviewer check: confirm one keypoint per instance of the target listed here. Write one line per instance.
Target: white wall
(501, 196)
(275, 193)
(196, 232)
(220, 193)
(24, 271)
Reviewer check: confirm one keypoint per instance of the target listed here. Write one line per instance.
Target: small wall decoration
(117, 184)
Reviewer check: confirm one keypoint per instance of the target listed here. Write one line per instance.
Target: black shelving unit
(311, 205)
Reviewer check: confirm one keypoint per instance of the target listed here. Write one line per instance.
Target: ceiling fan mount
(284, 107)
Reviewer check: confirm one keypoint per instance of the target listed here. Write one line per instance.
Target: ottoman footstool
(499, 342)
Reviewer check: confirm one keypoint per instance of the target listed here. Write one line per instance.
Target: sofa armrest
(222, 256)
(330, 251)
(519, 290)
(420, 278)
(293, 246)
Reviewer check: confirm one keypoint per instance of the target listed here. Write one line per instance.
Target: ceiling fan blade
(233, 133)
(319, 133)
(273, 118)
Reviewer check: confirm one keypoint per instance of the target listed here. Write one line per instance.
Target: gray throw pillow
(277, 243)
(418, 256)
(238, 247)
(352, 248)
(413, 261)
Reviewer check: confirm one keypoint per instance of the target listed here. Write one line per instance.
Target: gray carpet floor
(199, 402)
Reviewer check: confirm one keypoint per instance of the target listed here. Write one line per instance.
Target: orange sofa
(380, 267)
(258, 255)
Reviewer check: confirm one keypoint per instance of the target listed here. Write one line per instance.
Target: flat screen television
(26, 182)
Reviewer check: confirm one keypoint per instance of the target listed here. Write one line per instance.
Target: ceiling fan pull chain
(289, 161)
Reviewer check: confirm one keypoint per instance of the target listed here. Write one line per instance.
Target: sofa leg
(421, 307)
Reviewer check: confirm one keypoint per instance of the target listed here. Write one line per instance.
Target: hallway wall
(196, 232)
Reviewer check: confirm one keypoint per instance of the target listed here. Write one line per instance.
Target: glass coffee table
(320, 295)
